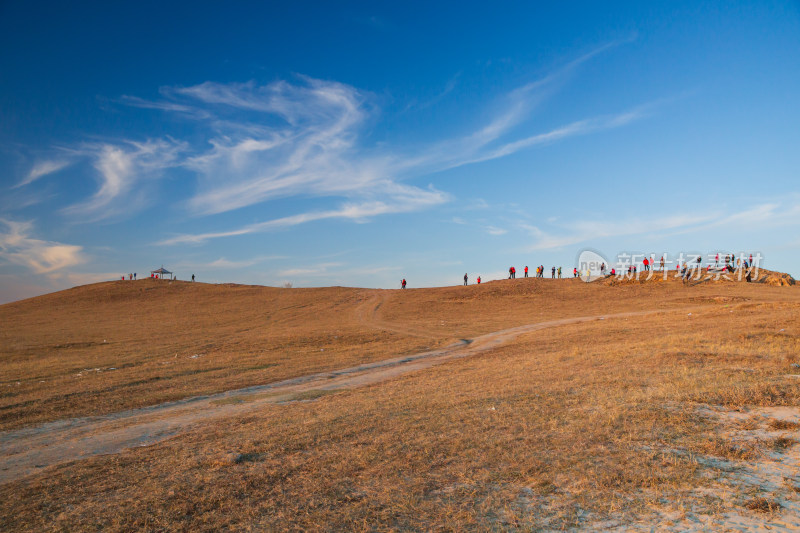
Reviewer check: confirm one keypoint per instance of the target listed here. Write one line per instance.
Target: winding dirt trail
(26, 451)
(368, 313)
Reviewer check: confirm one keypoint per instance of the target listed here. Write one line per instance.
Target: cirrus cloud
(41, 257)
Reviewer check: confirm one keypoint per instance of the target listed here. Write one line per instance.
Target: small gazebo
(161, 272)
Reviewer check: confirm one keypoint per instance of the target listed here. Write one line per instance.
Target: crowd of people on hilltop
(555, 273)
(690, 267)
(684, 268)
(153, 275)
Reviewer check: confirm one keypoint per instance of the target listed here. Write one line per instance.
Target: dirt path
(27, 451)
(369, 313)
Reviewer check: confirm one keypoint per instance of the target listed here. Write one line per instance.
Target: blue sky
(359, 144)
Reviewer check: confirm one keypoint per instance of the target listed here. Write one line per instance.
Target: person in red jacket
(403, 284)
(526, 271)
(479, 280)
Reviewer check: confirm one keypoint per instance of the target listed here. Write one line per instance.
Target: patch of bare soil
(754, 481)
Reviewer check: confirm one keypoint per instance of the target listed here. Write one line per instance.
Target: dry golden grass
(107, 347)
(561, 428)
(784, 424)
(763, 505)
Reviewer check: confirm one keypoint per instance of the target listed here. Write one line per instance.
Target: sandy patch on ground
(760, 494)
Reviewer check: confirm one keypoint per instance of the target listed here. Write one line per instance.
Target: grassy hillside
(686, 419)
(111, 346)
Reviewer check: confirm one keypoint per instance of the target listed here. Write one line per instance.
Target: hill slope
(110, 346)
(684, 417)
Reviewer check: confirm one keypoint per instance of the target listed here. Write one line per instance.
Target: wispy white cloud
(772, 214)
(448, 88)
(321, 269)
(225, 263)
(173, 107)
(41, 257)
(480, 224)
(299, 140)
(581, 127)
(305, 139)
(41, 169)
(494, 230)
(310, 150)
(512, 110)
(405, 199)
(120, 170)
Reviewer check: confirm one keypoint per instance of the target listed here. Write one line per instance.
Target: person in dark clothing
(192, 277)
(465, 279)
(553, 273)
(403, 284)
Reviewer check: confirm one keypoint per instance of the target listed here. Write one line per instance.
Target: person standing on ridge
(526, 271)
(403, 283)
(575, 272)
(479, 280)
(465, 279)
(553, 273)
(559, 272)
(192, 277)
